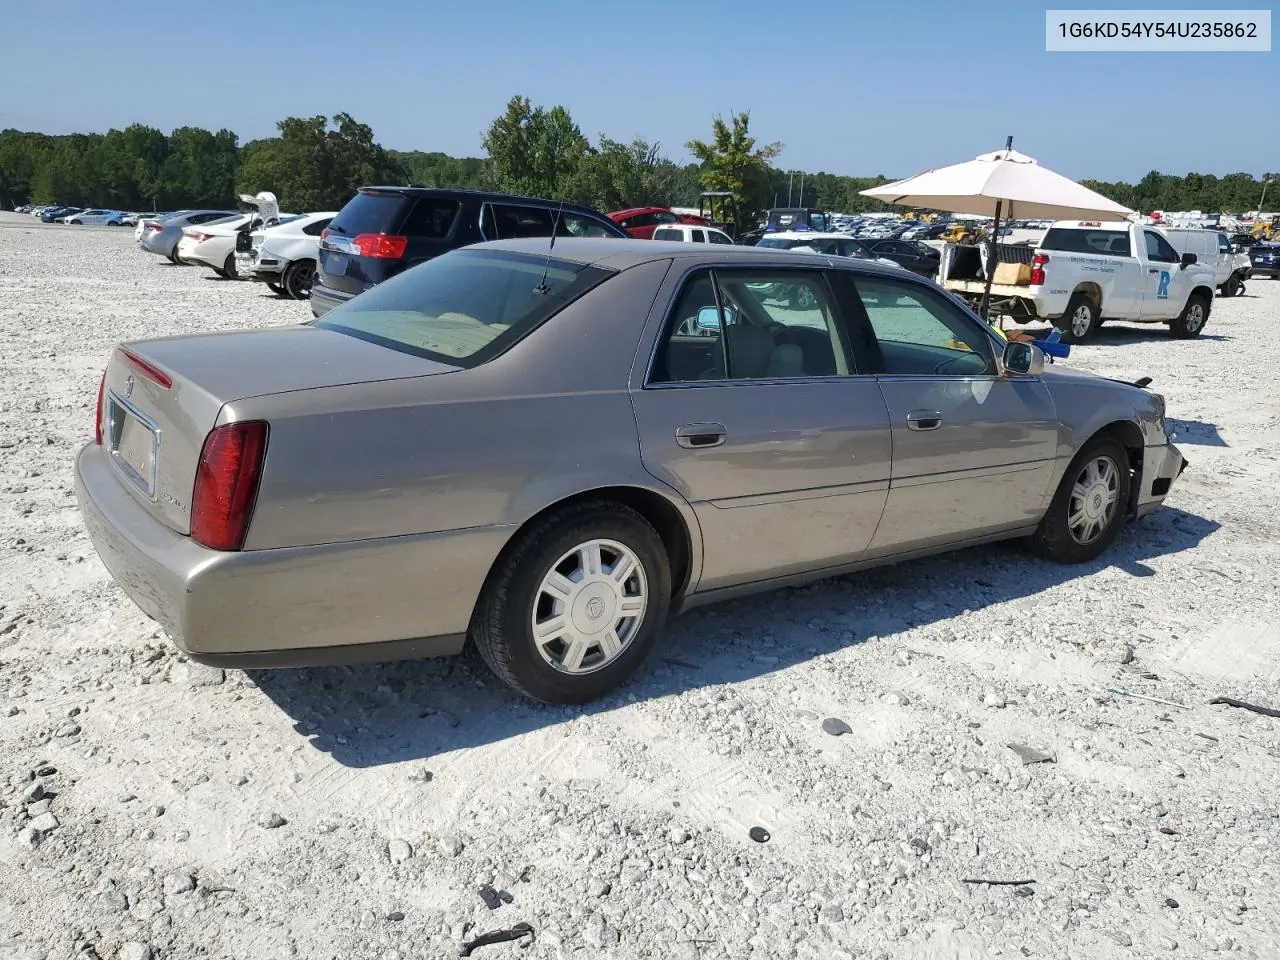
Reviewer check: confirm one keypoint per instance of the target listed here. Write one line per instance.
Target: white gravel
(355, 813)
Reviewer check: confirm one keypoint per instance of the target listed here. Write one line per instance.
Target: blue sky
(848, 86)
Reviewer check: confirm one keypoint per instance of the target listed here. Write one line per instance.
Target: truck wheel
(1232, 287)
(1079, 320)
(1191, 321)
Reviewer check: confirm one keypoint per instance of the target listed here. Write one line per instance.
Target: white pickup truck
(1085, 272)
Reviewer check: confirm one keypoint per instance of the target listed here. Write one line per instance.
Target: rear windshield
(1114, 243)
(465, 307)
(370, 213)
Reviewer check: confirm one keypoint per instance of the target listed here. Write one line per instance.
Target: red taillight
(150, 371)
(324, 233)
(1037, 269)
(227, 484)
(383, 246)
(154, 226)
(97, 420)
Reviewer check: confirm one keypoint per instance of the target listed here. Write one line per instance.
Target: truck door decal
(1162, 292)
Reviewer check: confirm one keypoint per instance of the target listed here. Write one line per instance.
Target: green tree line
(316, 163)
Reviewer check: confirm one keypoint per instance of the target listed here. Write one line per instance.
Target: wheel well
(1130, 437)
(1207, 293)
(1093, 292)
(655, 508)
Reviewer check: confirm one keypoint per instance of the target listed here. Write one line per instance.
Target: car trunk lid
(162, 397)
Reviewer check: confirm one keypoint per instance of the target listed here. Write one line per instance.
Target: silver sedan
(548, 451)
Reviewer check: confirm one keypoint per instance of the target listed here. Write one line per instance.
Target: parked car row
(80, 216)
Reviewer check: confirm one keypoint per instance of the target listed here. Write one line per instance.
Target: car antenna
(542, 287)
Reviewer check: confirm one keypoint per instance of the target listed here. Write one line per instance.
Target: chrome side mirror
(1023, 359)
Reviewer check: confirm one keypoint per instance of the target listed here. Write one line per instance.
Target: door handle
(924, 420)
(1153, 270)
(694, 436)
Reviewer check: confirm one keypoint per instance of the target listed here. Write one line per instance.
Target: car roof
(811, 235)
(479, 195)
(1094, 225)
(618, 254)
(632, 211)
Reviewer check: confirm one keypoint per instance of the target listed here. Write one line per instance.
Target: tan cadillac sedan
(549, 451)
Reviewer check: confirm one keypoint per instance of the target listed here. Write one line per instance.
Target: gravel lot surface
(153, 808)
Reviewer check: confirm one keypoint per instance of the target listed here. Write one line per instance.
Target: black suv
(383, 231)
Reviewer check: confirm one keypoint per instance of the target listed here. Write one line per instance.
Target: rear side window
(502, 221)
(371, 213)
(317, 228)
(432, 218)
(667, 234)
(465, 307)
(1112, 243)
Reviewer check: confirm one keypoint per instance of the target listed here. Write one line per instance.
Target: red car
(640, 222)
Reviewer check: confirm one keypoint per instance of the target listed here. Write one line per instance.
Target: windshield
(777, 243)
(465, 307)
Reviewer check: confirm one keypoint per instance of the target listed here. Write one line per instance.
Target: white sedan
(284, 256)
(214, 245)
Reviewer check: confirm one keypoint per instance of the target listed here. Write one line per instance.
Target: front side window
(465, 307)
(751, 325)
(1158, 248)
(715, 236)
(1224, 244)
(919, 333)
(663, 216)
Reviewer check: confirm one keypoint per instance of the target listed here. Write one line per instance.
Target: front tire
(1079, 320)
(1088, 510)
(573, 607)
(1232, 287)
(1191, 321)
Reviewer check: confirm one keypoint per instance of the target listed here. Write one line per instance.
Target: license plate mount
(132, 440)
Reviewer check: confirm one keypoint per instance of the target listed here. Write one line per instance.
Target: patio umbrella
(1005, 182)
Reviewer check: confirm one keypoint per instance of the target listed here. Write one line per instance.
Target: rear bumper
(385, 599)
(1271, 272)
(1161, 466)
(324, 299)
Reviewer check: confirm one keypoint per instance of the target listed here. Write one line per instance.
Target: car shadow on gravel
(374, 714)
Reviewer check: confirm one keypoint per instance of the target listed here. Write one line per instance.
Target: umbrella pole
(991, 264)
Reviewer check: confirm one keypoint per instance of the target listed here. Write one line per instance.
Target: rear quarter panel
(473, 448)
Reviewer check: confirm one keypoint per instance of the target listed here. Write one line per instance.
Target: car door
(1225, 263)
(973, 451)
(756, 414)
(1161, 276)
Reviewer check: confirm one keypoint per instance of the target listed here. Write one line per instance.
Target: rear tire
(590, 644)
(228, 270)
(1090, 495)
(298, 277)
(1079, 320)
(276, 289)
(1191, 321)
